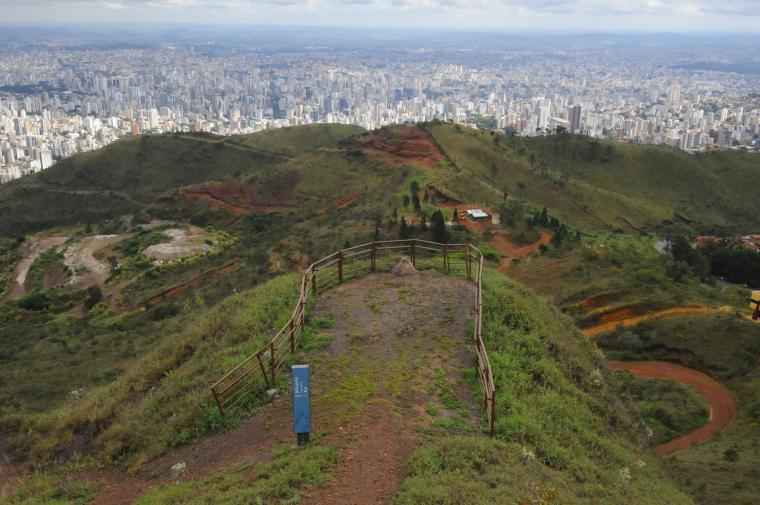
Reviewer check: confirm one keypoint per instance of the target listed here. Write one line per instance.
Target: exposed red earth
(721, 400)
(628, 316)
(408, 145)
(236, 197)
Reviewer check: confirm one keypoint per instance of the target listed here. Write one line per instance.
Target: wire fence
(260, 368)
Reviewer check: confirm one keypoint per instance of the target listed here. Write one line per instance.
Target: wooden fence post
(304, 295)
(314, 281)
(263, 370)
(446, 258)
(292, 337)
(340, 266)
(468, 261)
(217, 401)
(271, 360)
(373, 258)
(413, 252)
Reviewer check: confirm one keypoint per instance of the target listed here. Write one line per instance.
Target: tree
(438, 225)
(406, 201)
(423, 222)
(532, 160)
(455, 216)
(403, 230)
(94, 296)
(416, 203)
(544, 219)
(680, 249)
(395, 215)
(414, 187)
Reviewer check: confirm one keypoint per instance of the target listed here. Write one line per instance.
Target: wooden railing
(260, 368)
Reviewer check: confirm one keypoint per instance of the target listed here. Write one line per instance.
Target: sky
(507, 15)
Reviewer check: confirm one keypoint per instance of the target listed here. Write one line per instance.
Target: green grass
(290, 474)
(600, 185)
(48, 262)
(725, 468)
(560, 436)
(51, 488)
(297, 140)
(126, 415)
(627, 267)
(669, 409)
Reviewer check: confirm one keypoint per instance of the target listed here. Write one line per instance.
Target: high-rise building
(574, 118)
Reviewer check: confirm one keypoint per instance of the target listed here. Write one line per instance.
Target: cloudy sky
(512, 15)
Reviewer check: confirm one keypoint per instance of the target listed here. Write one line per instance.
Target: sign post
(301, 402)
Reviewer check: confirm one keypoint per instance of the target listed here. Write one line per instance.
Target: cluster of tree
(436, 227)
(729, 259)
(687, 259)
(514, 214)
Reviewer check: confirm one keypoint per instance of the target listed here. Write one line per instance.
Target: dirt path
(721, 400)
(624, 317)
(33, 247)
(371, 383)
(512, 250)
(80, 259)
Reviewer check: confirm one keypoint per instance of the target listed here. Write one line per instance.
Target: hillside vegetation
(115, 372)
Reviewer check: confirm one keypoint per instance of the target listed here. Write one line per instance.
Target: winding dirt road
(721, 401)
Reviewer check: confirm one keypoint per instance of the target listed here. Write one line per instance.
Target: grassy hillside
(297, 140)
(122, 380)
(602, 185)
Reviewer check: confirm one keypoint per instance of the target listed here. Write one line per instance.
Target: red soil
(237, 197)
(630, 316)
(721, 400)
(407, 144)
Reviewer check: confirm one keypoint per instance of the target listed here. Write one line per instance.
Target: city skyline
(681, 16)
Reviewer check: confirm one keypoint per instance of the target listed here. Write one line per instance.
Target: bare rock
(404, 267)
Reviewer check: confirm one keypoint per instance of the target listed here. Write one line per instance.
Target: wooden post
(271, 360)
(340, 266)
(412, 252)
(468, 261)
(373, 258)
(446, 258)
(491, 416)
(314, 281)
(303, 302)
(216, 398)
(292, 336)
(263, 370)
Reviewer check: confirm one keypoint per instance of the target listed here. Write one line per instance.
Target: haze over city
(564, 15)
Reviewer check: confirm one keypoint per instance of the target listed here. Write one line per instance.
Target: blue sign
(301, 398)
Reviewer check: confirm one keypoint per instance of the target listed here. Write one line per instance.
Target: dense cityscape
(60, 98)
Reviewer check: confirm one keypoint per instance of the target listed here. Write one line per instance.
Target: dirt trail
(624, 317)
(397, 336)
(721, 400)
(80, 259)
(34, 247)
(512, 250)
